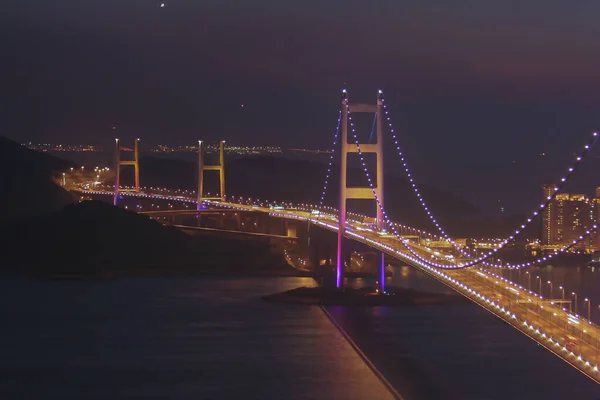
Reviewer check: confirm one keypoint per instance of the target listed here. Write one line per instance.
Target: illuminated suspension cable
(511, 238)
(446, 266)
(327, 175)
(385, 216)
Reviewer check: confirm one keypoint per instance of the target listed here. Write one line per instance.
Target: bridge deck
(570, 337)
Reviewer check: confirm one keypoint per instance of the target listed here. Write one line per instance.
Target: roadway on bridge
(569, 336)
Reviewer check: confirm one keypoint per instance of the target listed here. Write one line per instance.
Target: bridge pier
(290, 228)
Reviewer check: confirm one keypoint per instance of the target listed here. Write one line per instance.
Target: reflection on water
(212, 338)
(172, 338)
(460, 351)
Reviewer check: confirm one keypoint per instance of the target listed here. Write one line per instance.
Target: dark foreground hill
(26, 182)
(276, 178)
(93, 236)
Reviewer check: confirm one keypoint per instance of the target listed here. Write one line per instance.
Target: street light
(589, 303)
(540, 285)
(550, 283)
(575, 294)
(563, 291)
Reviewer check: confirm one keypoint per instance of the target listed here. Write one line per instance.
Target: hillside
(267, 177)
(92, 236)
(27, 187)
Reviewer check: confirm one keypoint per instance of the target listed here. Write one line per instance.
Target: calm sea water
(212, 338)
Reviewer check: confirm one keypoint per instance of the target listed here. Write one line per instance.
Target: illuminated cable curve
(517, 231)
(433, 218)
(385, 216)
(429, 262)
(328, 173)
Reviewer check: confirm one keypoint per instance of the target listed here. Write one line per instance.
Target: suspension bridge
(547, 321)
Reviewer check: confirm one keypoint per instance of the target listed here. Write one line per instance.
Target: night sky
(478, 90)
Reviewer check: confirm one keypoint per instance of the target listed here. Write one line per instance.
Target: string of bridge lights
(383, 212)
(328, 173)
(488, 302)
(439, 265)
(511, 238)
(541, 259)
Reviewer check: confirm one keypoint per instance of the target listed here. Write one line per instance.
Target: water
(172, 338)
(212, 338)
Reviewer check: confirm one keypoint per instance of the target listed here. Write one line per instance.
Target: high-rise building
(549, 219)
(567, 217)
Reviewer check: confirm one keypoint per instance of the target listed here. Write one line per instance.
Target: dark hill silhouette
(275, 178)
(92, 236)
(26, 181)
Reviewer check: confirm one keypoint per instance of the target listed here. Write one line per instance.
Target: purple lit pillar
(200, 187)
(117, 170)
(339, 281)
(380, 195)
(136, 155)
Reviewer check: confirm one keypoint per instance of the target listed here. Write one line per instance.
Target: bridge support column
(117, 171)
(118, 163)
(217, 167)
(200, 188)
(290, 229)
(136, 165)
(379, 150)
(366, 192)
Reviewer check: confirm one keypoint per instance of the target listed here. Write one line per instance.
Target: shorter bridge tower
(365, 192)
(217, 167)
(119, 163)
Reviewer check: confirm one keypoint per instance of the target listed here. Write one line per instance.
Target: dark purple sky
(477, 89)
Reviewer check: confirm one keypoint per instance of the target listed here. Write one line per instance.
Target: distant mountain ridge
(281, 179)
(26, 179)
(94, 236)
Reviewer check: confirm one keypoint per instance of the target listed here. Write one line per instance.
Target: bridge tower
(119, 163)
(365, 192)
(217, 167)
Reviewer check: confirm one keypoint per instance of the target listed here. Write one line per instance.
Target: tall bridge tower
(364, 192)
(217, 167)
(119, 163)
